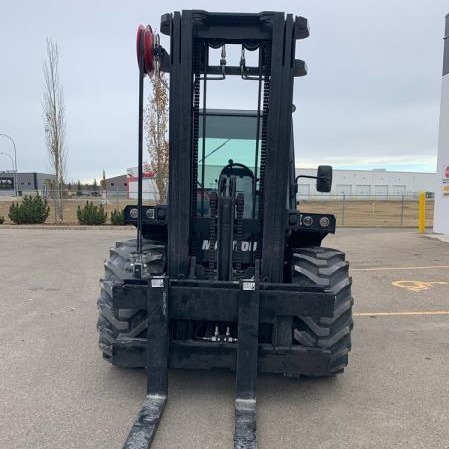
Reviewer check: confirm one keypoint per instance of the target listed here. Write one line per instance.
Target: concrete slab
(56, 391)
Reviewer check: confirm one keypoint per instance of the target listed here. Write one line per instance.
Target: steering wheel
(232, 164)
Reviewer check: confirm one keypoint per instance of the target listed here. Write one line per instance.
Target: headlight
(150, 214)
(161, 214)
(324, 222)
(307, 220)
(134, 212)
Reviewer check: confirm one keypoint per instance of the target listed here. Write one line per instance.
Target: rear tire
(113, 322)
(325, 268)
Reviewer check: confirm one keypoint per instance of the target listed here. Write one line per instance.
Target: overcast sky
(370, 100)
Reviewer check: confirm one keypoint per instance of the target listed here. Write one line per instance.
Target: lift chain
(196, 121)
(240, 204)
(195, 131)
(211, 254)
(263, 146)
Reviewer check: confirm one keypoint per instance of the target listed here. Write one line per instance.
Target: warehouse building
(30, 182)
(118, 185)
(149, 187)
(356, 184)
(365, 184)
(126, 185)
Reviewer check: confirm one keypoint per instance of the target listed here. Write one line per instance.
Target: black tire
(325, 268)
(113, 322)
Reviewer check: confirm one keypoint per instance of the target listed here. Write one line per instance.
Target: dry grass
(371, 213)
(348, 213)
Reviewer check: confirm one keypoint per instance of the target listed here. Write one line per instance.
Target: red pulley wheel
(146, 36)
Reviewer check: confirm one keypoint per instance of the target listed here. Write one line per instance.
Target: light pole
(15, 160)
(12, 160)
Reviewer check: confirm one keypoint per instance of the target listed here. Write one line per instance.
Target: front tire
(112, 322)
(325, 268)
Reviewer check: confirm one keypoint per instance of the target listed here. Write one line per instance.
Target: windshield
(218, 154)
(228, 138)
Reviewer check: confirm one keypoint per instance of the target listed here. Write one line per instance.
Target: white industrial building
(441, 218)
(364, 184)
(353, 184)
(149, 187)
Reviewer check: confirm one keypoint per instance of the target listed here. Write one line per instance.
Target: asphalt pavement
(57, 392)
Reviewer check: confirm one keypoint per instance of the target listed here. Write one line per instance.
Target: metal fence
(349, 210)
(369, 210)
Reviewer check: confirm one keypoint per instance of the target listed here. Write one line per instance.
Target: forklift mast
(273, 35)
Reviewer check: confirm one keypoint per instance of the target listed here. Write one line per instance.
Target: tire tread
(112, 322)
(328, 269)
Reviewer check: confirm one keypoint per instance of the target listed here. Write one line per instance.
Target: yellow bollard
(422, 212)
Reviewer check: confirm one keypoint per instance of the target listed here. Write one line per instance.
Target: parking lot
(57, 392)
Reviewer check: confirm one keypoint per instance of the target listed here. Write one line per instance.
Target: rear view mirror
(324, 178)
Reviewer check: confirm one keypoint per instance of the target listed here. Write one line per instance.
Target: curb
(441, 237)
(67, 227)
(121, 228)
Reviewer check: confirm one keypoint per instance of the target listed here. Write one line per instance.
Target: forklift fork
(145, 426)
(144, 429)
(246, 370)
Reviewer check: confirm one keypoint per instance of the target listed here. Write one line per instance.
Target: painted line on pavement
(399, 268)
(413, 313)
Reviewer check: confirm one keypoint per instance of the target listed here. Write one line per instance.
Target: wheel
(113, 322)
(325, 268)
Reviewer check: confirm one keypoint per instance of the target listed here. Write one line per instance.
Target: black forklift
(228, 274)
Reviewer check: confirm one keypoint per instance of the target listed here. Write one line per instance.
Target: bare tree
(156, 130)
(103, 181)
(54, 122)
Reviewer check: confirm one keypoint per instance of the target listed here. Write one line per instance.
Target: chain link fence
(369, 210)
(349, 210)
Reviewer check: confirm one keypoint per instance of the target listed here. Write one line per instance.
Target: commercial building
(365, 184)
(441, 218)
(355, 184)
(29, 182)
(118, 185)
(126, 185)
(149, 188)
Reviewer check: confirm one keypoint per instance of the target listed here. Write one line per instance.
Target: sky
(370, 100)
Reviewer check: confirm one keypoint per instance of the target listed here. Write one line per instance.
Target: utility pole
(15, 161)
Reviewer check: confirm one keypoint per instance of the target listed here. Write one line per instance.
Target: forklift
(228, 273)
